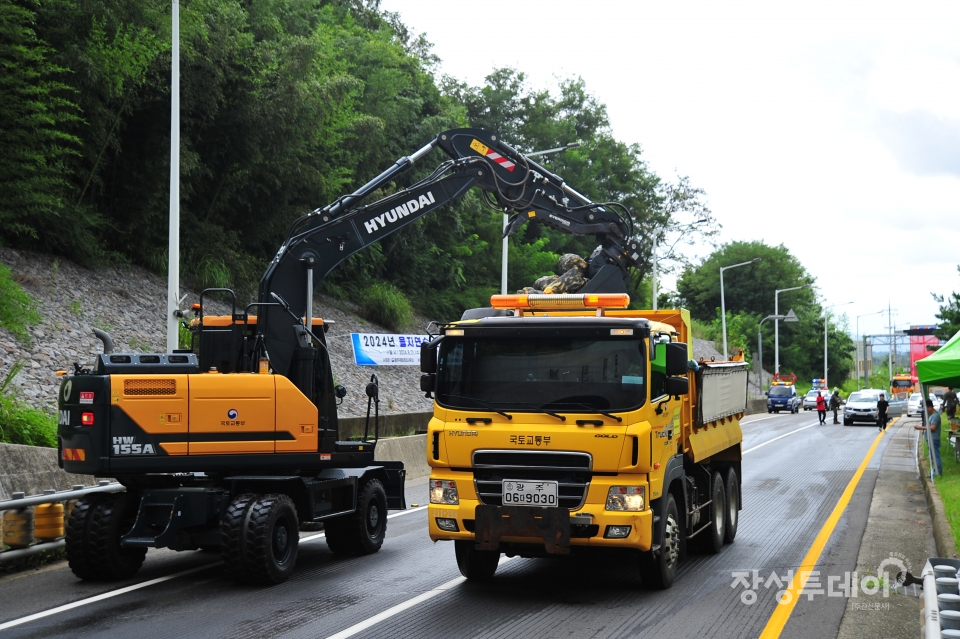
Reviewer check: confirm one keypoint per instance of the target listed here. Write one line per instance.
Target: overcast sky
(833, 128)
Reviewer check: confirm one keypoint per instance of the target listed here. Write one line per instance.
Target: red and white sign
(86, 397)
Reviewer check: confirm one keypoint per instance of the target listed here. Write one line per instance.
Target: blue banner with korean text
(381, 349)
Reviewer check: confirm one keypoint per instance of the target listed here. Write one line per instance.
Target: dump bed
(721, 400)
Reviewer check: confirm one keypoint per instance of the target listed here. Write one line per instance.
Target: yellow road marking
(783, 611)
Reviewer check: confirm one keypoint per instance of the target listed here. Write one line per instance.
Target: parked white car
(915, 405)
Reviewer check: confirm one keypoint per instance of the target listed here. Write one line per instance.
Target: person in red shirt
(822, 408)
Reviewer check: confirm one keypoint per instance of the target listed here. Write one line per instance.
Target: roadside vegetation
(21, 423)
(18, 309)
(749, 297)
(286, 106)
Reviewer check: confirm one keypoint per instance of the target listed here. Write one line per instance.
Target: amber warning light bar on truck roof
(560, 301)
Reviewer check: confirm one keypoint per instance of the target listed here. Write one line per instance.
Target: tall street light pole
(723, 305)
(506, 216)
(776, 325)
(173, 247)
(881, 311)
(826, 316)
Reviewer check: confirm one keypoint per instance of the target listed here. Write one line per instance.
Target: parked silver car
(810, 399)
(861, 406)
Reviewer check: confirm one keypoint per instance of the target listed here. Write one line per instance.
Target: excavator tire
(232, 537)
(271, 539)
(97, 523)
(360, 532)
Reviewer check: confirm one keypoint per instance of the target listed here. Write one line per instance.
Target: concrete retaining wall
(755, 406)
(397, 425)
(31, 470)
(412, 451)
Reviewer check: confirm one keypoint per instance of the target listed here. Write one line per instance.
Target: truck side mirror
(675, 386)
(428, 383)
(676, 358)
(428, 355)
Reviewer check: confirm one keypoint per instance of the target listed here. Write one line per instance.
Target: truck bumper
(555, 529)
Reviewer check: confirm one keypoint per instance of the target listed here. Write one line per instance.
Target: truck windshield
(526, 373)
(902, 383)
(780, 391)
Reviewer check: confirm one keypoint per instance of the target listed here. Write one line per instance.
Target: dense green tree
(749, 297)
(36, 113)
(949, 314)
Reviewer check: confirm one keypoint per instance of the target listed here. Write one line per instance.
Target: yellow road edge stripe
(781, 614)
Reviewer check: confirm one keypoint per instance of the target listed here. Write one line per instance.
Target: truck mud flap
(394, 486)
(550, 524)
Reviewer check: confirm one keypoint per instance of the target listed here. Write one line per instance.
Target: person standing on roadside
(933, 425)
(821, 408)
(882, 406)
(950, 402)
(835, 404)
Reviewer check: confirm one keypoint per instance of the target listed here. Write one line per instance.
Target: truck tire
(231, 535)
(271, 540)
(733, 505)
(97, 523)
(714, 535)
(362, 531)
(658, 568)
(475, 565)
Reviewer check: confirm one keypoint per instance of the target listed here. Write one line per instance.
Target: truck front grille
(571, 471)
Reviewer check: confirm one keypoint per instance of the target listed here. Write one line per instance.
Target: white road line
(400, 607)
(152, 582)
(101, 597)
(754, 421)
(750, 450)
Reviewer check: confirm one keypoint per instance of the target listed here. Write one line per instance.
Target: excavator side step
(165, 512)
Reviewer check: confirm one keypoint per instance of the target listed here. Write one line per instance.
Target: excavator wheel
(360, 532)
(271, 540)
(97, 523)
(231, 535)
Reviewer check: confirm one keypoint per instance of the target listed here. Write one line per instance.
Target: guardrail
(23, 521)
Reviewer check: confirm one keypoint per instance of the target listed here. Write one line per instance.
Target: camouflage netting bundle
(573, 269)
(543, 282)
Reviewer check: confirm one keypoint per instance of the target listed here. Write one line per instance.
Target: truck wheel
(96, 525)
(361, 532)
(271, 540)
(715, 534)
(232, 537)
(658, 568)
(475, 565)
(733, 505)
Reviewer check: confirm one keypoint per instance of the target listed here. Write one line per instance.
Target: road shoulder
(899, 531)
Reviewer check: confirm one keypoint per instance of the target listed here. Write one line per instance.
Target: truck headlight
(443, 491)
(626, 498)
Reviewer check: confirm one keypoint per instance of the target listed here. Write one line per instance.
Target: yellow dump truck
(567, 423)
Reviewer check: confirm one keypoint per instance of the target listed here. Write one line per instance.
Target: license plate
(529, 493)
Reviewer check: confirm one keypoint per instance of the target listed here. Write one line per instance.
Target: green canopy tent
(942, 368)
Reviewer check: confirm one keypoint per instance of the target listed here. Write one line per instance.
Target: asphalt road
(794, 472)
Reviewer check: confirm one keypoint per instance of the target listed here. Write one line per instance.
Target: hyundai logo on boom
(399, 212)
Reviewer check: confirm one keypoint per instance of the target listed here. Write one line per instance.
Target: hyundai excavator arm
(320, 241)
